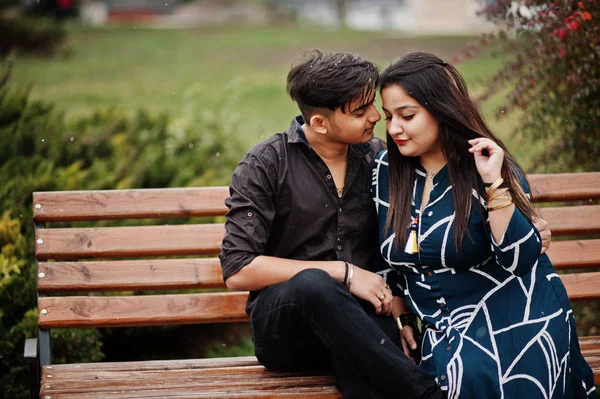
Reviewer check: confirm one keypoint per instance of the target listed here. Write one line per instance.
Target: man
(301, 234)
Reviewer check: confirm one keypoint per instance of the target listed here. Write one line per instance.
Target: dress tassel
(412, 246)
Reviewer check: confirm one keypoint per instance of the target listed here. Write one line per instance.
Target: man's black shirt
(283, 202)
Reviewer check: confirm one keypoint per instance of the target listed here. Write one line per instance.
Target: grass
(234, 72)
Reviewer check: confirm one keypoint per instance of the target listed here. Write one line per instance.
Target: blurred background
(107, 94)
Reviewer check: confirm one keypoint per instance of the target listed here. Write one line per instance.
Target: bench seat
(238, 377)
(77, 265)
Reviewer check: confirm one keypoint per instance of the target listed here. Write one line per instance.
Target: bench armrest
(30, 354)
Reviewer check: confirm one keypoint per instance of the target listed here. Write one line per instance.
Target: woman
(456, 223)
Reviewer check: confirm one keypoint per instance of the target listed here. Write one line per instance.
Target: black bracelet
(503, 185)
(407, 319)
(346, 275)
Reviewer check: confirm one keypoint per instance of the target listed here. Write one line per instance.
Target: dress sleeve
(250, 216)
(519, 248)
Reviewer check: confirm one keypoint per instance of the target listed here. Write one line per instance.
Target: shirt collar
(295, 133)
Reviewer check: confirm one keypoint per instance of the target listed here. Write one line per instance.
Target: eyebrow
(401, 108)
(365, 105)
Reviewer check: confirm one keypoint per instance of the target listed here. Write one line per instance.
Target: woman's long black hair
(440, 89)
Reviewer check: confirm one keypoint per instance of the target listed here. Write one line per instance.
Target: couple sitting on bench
(344, 243)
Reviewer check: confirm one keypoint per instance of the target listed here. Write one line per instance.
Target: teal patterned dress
(497, 316)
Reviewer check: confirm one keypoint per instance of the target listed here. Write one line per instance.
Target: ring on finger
(387, 286)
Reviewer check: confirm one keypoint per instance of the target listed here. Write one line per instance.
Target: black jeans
(312, 321)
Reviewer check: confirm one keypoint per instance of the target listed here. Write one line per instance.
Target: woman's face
(413, 128)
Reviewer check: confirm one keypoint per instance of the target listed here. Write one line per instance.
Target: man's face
(357, 124)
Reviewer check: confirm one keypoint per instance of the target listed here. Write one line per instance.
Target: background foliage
(40, 151)
(553, 77)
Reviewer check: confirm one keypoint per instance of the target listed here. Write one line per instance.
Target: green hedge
(40, 151)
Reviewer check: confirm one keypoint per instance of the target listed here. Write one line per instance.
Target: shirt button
(329, 176)
(449, 348)
(339, 247)
(443, 377)
(430, 274)
(340, 210)
(442, 304)
(249, 214)
(430, 213)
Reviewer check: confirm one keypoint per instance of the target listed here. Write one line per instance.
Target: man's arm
(247, 230)
(264, 271)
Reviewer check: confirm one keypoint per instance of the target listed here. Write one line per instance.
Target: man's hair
(320, 81)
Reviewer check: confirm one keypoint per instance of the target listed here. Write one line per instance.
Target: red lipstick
(400, 142)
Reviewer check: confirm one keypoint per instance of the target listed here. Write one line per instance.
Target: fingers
(542, 226)
(405, 347)
(409, 336)
(377, 302)
(481, 143)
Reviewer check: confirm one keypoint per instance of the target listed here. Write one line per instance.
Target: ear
(319, 123)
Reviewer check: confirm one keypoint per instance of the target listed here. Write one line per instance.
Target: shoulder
(372, 148)
(269, 150)
(379, 167)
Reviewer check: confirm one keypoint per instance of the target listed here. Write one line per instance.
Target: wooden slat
(243, 377)
(212, 378)
(207, 201)
(129, 204)
(141, 310)
(581, 286)
(572, 220)
(175, 364)
(318, 392)
(575, 254)
(565, 186)
(127, 275)
(594, 362)
(131, 241)
(590, 342)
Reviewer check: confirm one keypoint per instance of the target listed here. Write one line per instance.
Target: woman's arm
(515, 241)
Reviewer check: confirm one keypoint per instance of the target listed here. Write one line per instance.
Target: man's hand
(545, 233)
(371, 287)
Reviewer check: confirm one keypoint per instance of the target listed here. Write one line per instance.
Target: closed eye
(408, 117)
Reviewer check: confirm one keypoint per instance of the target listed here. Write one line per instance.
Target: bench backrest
(81, 262)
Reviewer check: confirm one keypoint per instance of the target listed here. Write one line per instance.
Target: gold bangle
(494, 186)
(400, 326)
(497, 194)
(500, 206)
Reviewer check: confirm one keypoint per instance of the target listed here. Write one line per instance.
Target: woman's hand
(409, 344)
(489, 167)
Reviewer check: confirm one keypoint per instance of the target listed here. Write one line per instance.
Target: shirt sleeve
(519, 248)
(251, 212)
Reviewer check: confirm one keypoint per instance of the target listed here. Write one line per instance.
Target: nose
(375, 116)
(394, 127)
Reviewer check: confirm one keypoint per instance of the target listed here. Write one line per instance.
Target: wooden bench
(76, 265)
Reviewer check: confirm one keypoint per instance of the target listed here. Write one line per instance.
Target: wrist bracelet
(406, 319)
(346, 275)
(350, 275)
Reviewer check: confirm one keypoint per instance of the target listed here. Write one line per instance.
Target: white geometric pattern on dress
(512, 281)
